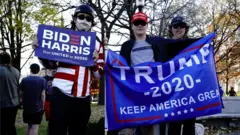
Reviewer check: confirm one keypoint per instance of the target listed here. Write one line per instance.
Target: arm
(43, 94)
(49, 64)
(97, 69)
(21, 88)
(174, 46)
(43, 97)
(126, 50)
(122, 49)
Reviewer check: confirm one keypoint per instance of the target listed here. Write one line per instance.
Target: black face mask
(179, 25)
(139, 22)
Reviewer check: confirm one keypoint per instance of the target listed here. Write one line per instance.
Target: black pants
(8, 118)
(68, 114)
(188, 127)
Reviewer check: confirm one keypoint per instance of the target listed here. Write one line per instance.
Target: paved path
(235, 133)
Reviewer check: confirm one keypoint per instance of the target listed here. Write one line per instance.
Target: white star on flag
(179, 112)
(191, 110)
(166, 115)
(185, 111)
(172, 113)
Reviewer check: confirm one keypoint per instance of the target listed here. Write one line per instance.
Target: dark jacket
(9, 82)
(163, 49)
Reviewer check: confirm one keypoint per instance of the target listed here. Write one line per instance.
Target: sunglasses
(137, 23)
(179, 25)
(82, 17)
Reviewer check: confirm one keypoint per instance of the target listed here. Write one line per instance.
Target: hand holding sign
(35, 43)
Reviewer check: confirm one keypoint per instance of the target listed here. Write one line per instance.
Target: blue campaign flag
(151, 93)
(65, 45)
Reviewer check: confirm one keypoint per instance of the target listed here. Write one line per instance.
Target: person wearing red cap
(145, 48)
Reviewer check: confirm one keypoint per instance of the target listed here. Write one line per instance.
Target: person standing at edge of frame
(10, 94)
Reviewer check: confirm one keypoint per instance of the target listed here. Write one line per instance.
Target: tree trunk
(102, 80)
(101, 91)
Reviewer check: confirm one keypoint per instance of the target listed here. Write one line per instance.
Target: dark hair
(177, 20)
(5, 58)
(35, 68)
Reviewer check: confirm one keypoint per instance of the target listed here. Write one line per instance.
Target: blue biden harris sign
(151, 93)
(65, 45)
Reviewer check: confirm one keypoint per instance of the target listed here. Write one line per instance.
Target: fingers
(95, 56)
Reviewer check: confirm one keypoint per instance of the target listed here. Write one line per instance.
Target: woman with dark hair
(9, 78)
(178, 29)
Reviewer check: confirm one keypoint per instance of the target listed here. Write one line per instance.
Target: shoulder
(2, 68)
(15, 70)
(10, 67)
(25, 79)
(41, 78)
(127, 43)
(126, 47)
(155, 39)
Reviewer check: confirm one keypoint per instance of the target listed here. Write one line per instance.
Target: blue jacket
(163, 49)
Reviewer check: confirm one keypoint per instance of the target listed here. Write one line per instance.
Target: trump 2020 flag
(151, 93)
(65, 45)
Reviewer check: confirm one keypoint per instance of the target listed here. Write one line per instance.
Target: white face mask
(83, 25)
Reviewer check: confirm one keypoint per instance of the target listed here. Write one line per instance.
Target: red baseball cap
(140, 16)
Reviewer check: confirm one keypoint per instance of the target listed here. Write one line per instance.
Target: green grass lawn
(95, 127)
